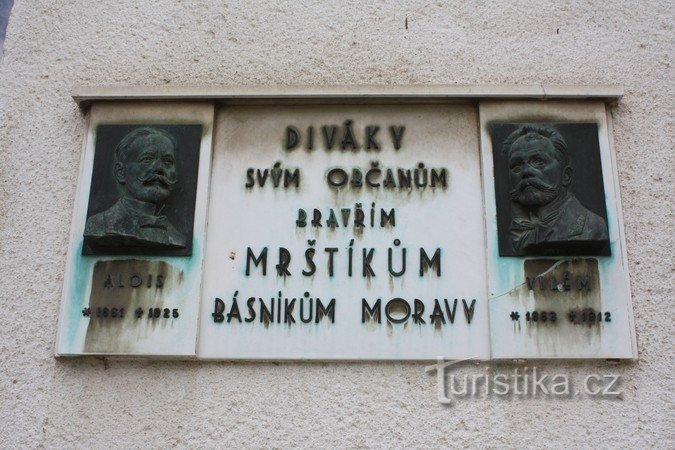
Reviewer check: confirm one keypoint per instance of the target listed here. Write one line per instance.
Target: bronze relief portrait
(549, 189)
(143, 190)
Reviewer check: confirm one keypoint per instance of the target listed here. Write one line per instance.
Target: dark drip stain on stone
(133, 286)
(566, 287)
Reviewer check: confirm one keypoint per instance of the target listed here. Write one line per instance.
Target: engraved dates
(157, 313)
(121, 313)
(587, 316)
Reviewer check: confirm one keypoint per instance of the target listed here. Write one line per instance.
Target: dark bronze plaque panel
(549, 189)
(143, 190)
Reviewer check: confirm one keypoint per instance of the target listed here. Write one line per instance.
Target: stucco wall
(53, 46)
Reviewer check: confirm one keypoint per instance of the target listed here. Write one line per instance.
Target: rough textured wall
(53, 46)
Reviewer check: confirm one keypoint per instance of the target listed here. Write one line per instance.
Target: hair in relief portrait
(549, 189)
(143, 190)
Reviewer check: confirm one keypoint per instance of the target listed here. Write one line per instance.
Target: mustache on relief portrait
(531, 182)
(151, 177)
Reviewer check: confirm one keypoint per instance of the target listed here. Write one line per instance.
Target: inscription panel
(345, 233)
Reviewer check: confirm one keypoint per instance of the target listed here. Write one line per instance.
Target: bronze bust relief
(147, 171)
(546, 216)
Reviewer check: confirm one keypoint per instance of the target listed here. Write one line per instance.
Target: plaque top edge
(354, 93)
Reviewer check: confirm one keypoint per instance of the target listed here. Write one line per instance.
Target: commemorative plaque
(348, 230)
(556, 260)
(134, 266)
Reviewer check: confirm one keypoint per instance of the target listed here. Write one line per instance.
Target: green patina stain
(79, 292)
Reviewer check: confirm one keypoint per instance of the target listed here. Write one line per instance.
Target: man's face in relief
(536, 174)
(149, 171)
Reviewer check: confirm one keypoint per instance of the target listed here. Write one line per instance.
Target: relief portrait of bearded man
(546, 216)
(144, 168)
